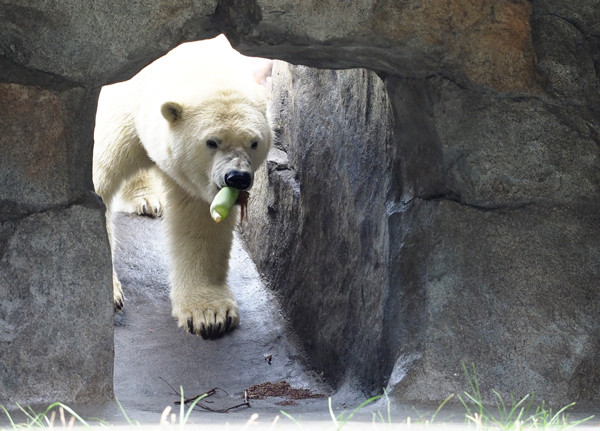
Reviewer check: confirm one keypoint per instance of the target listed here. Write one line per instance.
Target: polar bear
(172, 136)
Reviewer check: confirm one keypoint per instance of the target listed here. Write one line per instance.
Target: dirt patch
(280, 389)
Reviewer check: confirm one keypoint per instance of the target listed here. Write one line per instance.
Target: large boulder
(55, 314)
(317, 216)
(98, 42)
(417, 225)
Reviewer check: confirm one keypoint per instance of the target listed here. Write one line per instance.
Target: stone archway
(483, 241)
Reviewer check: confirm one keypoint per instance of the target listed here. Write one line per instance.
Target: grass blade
(129, 421)
(554, 419)
(439, 408)
(196, 401)
(333, 418)
(389, 407)
(181, 407)
(69, 410)
(10, 419)
(357, 409)
(32, 416)
(290, 417)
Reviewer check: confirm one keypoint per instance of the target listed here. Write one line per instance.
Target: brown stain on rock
(488, 40)
(33, 136)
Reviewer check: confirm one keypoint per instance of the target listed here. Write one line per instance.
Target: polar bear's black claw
(212, 332)
(118, 305)
(206, 332)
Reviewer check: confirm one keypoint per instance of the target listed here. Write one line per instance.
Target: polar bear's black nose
(238, 180)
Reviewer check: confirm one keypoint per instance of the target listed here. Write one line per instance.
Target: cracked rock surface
(441, 225)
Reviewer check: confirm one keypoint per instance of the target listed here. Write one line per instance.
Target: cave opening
(152, 354)
(469, 235)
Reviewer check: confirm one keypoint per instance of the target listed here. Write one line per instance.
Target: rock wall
(55, 315)
(440, 209)
(317, 223)
(444, 217)
(501, 201)
(417, 225)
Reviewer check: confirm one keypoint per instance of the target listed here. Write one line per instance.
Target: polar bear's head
(218, 141)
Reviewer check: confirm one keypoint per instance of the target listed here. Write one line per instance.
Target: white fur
(161, 120)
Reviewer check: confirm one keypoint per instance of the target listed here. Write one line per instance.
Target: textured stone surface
(487, 43)
(488, 150)
(55, 317)
(447, 214)
(494, 237)
(483, 42)
(322, 208)
(95, 42)
(509, 290)
(34, 162)
(56, 314)
(567, 46)
(430, 227)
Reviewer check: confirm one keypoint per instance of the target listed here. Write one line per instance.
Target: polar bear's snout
(238, 179)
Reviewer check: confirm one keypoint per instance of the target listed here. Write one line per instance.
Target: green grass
(45, 419)
(341, 420)
(48, 418)
(516, 415)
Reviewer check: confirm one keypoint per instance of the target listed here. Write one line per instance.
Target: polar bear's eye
(211, 144)
(254, 145)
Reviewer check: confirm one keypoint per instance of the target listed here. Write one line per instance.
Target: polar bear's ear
(171, 111)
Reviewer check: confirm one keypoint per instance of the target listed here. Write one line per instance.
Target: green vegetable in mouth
(223, 202)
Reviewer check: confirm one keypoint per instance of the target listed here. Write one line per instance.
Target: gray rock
(567, 42)
(56, 312)
(491, 151)
(413, 38)
(509, 290)
(316, 223)
(431, 227)
(35, 149)
(446, 213)
(98, 42)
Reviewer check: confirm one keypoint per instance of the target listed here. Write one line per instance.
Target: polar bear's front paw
(208, 319)
(148, 205)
